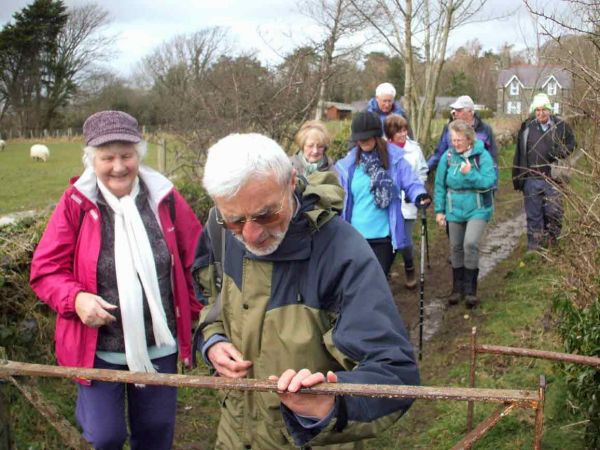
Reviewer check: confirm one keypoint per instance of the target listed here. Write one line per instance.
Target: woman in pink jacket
(114, 263)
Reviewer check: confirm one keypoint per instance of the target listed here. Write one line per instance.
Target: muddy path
(497, 244)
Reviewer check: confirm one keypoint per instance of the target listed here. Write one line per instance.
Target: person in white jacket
(396, 132)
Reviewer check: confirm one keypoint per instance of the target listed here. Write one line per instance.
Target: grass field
(27, 184)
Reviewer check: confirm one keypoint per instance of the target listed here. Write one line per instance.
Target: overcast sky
(266, 26)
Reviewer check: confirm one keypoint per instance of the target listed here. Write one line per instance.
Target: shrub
(577, 301)
(580, 331)
(26, 325)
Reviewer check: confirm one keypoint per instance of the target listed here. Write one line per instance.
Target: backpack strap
(216, 233)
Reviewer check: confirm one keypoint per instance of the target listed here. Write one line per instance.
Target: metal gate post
(470, 403)
(539, 414)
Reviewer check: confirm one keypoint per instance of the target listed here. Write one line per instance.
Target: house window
(513, 107)
(514, 88)
(552, 88)
(556, 108)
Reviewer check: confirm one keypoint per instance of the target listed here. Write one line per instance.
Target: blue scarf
(382, 187)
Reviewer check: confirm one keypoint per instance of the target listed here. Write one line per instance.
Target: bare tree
(81, 45)
(338, 23)
(43, 56)
(203, 91)
(407, 25)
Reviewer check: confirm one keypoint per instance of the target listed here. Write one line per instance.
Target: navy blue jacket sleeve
(442, 146)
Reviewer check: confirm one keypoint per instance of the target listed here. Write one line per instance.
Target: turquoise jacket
(465, 197)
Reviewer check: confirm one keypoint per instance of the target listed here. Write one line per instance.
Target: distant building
(517, 86)
(338, 111)
(360, 105)
(442, 105)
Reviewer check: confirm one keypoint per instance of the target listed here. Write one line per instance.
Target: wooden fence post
(162, 156)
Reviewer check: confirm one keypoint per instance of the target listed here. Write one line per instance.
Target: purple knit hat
(110, 126)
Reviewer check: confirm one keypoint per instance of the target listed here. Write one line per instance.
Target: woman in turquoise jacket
(464, 199)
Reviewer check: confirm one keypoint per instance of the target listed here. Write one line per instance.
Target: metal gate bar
(483, 427)
(522, 398)
(509, 398)
(522, 352)
(69, 434)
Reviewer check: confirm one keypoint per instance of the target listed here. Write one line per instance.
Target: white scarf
(134, 261)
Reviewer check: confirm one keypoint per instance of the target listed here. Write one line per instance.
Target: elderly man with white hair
(464, 109)
(542, 140)
(384, 103)
(303, 301)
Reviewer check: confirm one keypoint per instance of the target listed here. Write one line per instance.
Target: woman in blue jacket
(373, 174)
(464, 199)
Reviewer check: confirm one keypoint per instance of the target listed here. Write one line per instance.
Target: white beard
(263, 251)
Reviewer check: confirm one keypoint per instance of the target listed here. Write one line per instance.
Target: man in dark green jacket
(543, 140)
(303, 301)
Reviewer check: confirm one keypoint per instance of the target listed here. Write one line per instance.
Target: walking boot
(411, 279)
(457, 293)
(471, 288)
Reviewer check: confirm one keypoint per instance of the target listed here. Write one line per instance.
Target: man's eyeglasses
(263, 219)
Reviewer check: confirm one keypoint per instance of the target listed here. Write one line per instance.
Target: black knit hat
(366, 125)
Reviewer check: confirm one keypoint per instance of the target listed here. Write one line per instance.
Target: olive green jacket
(320, 301)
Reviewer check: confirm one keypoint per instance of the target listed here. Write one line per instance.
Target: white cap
(463, 102)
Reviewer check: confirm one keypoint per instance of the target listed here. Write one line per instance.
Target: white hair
(385, 89)
(237, 158)
(89, 152)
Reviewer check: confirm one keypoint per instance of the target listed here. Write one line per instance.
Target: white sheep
(2, 144)
(39, 152)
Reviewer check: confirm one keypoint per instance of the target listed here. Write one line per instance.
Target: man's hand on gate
(228, 361)
(309, 405)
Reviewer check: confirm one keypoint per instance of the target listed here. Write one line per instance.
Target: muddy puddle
(498, 243)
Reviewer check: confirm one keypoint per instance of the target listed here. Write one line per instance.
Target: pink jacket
(65, 262)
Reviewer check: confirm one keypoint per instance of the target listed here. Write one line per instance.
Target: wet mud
(497, 244)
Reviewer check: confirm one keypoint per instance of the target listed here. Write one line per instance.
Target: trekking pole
(424, 222)
(422, 280)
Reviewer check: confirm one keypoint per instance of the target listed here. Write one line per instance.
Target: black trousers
(382, 247)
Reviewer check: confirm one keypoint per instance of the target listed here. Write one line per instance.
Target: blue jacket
(372, 106)
(483, 132)
(465, 197)
(405, 179)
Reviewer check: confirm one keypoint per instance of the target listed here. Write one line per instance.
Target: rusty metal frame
(475, 349)
(509, 399)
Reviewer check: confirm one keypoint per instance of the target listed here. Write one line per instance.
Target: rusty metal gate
(508, 399)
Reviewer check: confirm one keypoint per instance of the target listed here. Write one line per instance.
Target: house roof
(535, 77)
(340, 106)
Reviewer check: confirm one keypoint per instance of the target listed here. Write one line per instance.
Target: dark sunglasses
(261, 219)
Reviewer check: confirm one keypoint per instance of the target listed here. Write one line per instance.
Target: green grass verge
(28, 184)
(515, 311)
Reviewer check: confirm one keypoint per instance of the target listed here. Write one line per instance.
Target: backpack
(216, 234)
